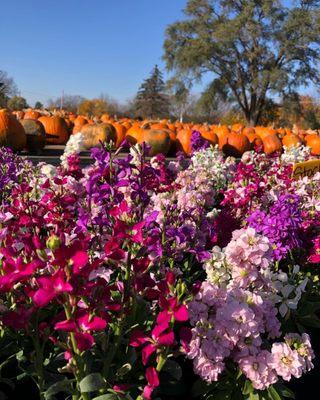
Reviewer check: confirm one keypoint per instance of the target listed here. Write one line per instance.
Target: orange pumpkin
(134, 134)
(210, 136)
(56, 129)
(272, 144)
(237, 128)
(184, 140)
(121, 133)
(236, 144)
(291, 141)
(159, 140)
(12, 133)
(254, 139)
(314, 144)
(32, 114)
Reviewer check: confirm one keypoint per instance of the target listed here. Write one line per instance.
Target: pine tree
(151, 101)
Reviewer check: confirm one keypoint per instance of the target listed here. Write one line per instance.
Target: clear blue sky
(83, 47)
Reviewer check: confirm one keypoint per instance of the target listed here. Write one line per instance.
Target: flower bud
(53, 243)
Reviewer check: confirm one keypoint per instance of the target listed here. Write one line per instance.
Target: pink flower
(259, 369)
(79, 260)
(286, 361)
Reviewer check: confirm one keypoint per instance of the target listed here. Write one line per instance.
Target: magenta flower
(153, 382)
(50, 288)
(160, 336)
(171, 309)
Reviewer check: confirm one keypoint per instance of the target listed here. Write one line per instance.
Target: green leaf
(254, 396)
(91, 383)
(62, 386)
(247, 388)
(173, 369)
(201, 388)
(311, 321)
(285, 391)
(109, 396)
(273, 394)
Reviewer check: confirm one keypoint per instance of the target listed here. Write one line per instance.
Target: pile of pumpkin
(32, 129)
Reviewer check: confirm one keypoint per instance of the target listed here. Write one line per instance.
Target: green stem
(80, 367)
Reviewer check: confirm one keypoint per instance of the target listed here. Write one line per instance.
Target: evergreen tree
(151, 101)
(38, 105)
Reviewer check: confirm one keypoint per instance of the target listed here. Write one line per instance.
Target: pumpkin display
(236, 144)
(272, 144)
(94, 134)
(159, 140)
(36, 135)
(56, 129)
(12, 133)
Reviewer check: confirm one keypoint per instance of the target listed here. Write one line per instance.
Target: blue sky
(83, 47)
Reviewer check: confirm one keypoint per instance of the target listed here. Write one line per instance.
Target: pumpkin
(184, 140)
(12, 133)
(80, 121)
(237, 128)
(249, 130)
(254, 139)
(94, 134)
(236, 144)
(271, 144)
(56, 129)
(36, 135)
(159, 140)
(210, 136)
(314, 144)
(221, 131)
(291, 141)
(31, 114)
(135, 134)
(19, 114)
(264, 131)
(105, 117)
(120, 133)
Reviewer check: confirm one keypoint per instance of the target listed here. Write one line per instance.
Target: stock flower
(49, 288)
(171, 310)
(286, 361)
(161, 335)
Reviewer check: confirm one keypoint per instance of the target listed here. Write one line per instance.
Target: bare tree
(8, 88)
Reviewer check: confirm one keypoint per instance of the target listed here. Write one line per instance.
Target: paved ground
(51, 155)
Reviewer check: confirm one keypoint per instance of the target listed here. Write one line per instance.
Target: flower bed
(134, 279)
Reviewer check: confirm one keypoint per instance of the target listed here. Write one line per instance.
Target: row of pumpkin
(32, 130)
